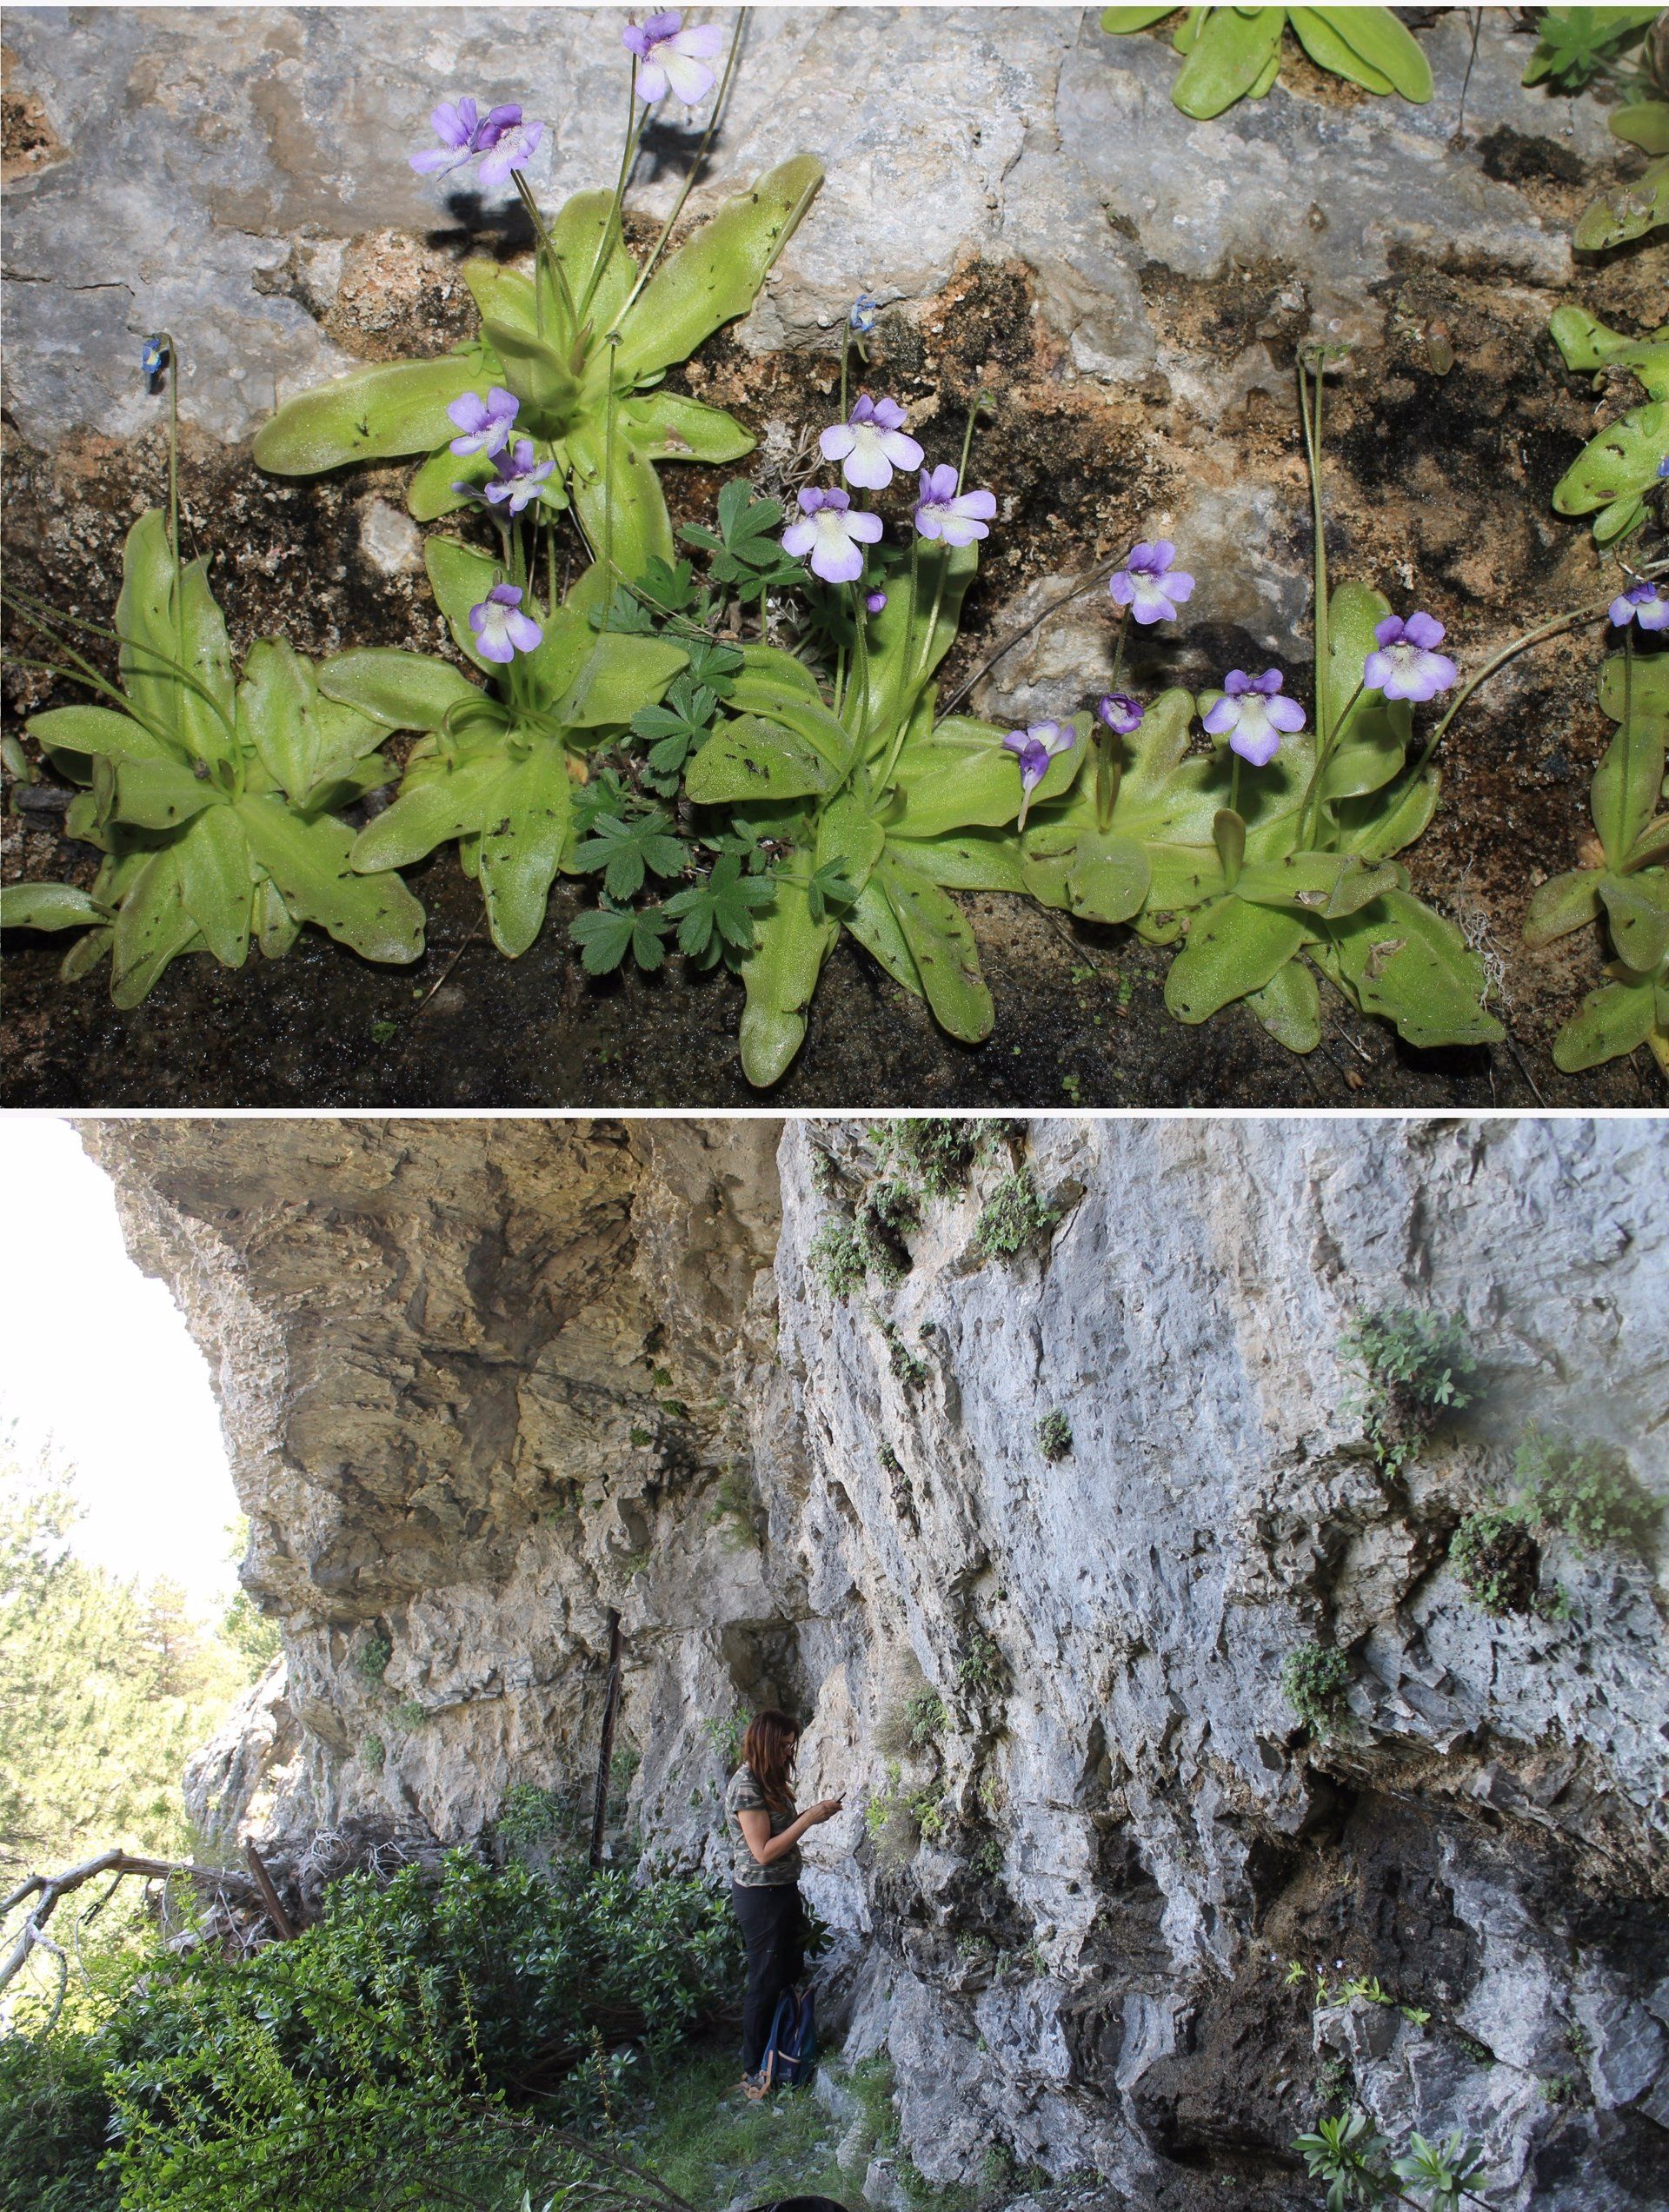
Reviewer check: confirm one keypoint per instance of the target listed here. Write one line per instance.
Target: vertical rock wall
(485, 1381)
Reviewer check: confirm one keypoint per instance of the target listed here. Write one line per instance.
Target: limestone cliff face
(485, 1382)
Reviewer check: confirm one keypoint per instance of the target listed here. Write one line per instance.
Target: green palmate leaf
(217, 883)
(1620, 465)
(1611, 1021)
(960, 775)
(1628, 211)
(1378, 39)
(308, 861)
(617, 677)
(605, 934)
(779, 976)
(400, 691)
(1231, 56)
(1574, 43)
(49, 906)
(1289, 1006)
(435, 804)
(1562, 904)
(160, 794)
(1414, 968)
(625, 850)
(372, 415)
(717, 274)
(666, 426)
(941, 945)
(752, 758)
(1637, 908)
(1328, 51)
(1232, 949)
(522, 847)
(721, 909)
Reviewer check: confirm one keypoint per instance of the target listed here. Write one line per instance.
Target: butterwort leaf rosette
(1621, 465)
(880, 808)
(496, 765)
(213, 799)
(581, 343)
(1316, 889)
(1628, 891)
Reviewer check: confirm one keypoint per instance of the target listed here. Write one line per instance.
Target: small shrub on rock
(1588, 1491)
(982, 1670)
(1012, 1218)
(1496, 1561)
(1313, 1682)
(1416, 1366)
(374, 1655)
(939, 1149)
(837, 1259)
(1054, 1436)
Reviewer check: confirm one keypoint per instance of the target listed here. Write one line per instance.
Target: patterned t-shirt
(744, 1795)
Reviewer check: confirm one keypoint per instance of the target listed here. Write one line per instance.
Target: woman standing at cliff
(765, 1886)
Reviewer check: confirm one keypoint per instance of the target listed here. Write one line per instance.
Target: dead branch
(48, 1890)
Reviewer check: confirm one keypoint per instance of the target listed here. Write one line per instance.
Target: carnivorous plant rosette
(580, 342)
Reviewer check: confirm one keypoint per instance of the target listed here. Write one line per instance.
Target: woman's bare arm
(765, 1847)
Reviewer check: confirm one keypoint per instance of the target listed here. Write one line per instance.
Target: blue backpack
(791, 2054)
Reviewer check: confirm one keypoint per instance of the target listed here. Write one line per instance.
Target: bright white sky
(96, 1356)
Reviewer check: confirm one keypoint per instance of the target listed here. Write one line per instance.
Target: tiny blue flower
(864, 314)
(1663, 466)
(153, 358)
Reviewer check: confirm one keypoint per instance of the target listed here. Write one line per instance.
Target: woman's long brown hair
(769, 1748)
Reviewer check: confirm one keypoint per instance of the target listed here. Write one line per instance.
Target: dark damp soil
(1439, 483)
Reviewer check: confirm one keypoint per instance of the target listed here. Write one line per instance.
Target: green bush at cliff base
(395, 2036)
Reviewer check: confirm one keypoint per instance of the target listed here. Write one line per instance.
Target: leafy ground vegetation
(736, 740)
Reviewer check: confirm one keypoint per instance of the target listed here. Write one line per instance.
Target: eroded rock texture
(485, 1382)
(1040, 223)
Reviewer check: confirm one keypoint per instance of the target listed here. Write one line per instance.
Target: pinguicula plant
(1618, 472)
(569, 357)
(1234, 53)
(874, 805)
(214, 801)
(1626, 50)
(1628, 888)
(1273, 855)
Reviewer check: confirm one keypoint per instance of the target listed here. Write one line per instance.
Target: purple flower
(1147, 584)
(1036, 747)
(1406, 666)
(832, 534)
(1122, 713)
(1255, 715)
(502, 630)
(505, 142)
(485, 422)
(1640, 603)
(458, 130)
(875, 601)
(671, 59)
(518, 481)
(944, 512)
(871, 443)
